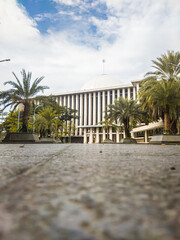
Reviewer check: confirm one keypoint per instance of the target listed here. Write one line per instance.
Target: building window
(115, 94)
(111, 97)
(121, 92)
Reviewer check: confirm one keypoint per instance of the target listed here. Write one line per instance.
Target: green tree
(47, 121)
(21, 93)
(160, 91)
(106, 124)
(126, 111)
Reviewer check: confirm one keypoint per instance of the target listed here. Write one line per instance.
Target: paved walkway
(89, 192)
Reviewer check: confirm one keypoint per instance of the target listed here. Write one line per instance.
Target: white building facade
(90, 103)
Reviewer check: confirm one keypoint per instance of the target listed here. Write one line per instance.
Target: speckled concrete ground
(89, 192)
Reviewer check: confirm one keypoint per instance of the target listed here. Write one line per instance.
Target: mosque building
(90, 103)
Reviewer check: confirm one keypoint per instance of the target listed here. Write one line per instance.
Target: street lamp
(35, 116)
(5, 60)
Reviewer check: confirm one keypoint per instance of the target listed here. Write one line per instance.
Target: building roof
(101, 81)
(150, 126)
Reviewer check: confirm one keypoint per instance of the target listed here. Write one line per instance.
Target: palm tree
(126, 111)
(167, 67)
(21, 93)
(46, 121)
(161, 98)
(160, 90)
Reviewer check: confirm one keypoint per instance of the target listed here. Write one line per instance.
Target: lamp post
(5, 60)
(35, 116)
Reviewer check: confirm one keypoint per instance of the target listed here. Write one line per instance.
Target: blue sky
(59, 16)
(66, 40)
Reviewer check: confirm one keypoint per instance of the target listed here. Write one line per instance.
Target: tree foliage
(126, 111)
(21, 93)
(160, 90)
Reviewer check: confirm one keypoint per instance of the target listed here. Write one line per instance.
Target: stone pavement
(89, 192)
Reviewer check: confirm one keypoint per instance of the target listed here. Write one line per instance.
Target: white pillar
(85, 109)
(97, 135)
(64, 101)
(81, 113)
(60, 101)
(110, 133)
(90, 136)
(117, 135)
(129, 93)
(72, 103)
(90, 108)
(124, 134)
(146, 136)
(77, 108)
(108, 97)
(85, 135)
(137, 87)
(103, 105)
(123, 93)
(113, 96)
(94, 108)
(99, 106)
(134, 93)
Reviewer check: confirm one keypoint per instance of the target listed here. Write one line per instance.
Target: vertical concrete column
(85, 135)
(97, 135)
(99, 106)
(110, 133)
(69, 104)
(77, 108)
(134, 93)
(81, 114)
(108, 97)
(123, 93)
(85, 109)
(113, 96)
(103, 105)
(64, 101)
(60, 101)
(117, 135)
(90, 108)
(129, 93)
(132, 134)
(137, 87)
(72, 106)
(91, 136)
(146, 136)
(104, 134)
(94, 108)
(124, 135)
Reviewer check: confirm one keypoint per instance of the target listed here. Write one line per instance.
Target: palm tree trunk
(25, 116)
(167, 122)
(126, 129)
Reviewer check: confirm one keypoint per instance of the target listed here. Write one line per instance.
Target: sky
(66, 40)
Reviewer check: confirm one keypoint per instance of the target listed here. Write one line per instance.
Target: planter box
(21, 138)
(128, 141)
(108, 141)
(165, 139)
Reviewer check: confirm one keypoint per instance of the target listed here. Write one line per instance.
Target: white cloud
(143, 32)
(68, 2)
